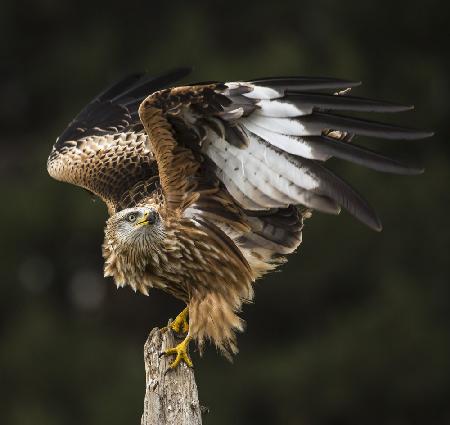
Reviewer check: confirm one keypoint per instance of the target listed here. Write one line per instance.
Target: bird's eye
(131, 217)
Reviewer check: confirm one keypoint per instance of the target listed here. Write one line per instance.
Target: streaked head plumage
(135, 228)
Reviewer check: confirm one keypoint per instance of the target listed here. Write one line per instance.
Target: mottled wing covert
(104, 148)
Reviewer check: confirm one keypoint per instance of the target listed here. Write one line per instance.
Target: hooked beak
(148, 218)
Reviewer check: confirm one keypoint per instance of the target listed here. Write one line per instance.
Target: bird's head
(139, 228)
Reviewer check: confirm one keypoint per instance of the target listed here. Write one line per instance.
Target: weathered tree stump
(171, 396)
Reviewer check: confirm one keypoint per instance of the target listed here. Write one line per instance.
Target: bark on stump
(172, 397)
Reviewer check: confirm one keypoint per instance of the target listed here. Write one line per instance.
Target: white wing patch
(279, 109)
(294, 145)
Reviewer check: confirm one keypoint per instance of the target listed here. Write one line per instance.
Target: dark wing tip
(305, 83)
(417, 171)
(362, 156)
(367, 216)
(378, 227)
(330, 102)
(117, 105)
(421, 134)
(414, 171)
(397, 107)
(363, 127)
(337, 189)
(355, 83)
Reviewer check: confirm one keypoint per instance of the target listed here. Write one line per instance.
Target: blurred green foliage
(354, 330)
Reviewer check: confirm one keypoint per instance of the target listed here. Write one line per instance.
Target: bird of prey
(207, 185)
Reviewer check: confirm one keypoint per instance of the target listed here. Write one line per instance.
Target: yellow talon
(181, 324)
(182, 353)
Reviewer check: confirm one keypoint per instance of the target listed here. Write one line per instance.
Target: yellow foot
(182, 353)
(181, 324)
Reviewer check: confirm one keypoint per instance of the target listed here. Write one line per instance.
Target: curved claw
(182, 353)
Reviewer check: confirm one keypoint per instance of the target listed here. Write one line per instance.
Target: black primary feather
(363, 127)
(115, 108)
(305, 83)
(321, 101)
(335, 188)
(359, 155)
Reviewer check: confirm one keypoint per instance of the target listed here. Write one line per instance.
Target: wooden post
(170, 398)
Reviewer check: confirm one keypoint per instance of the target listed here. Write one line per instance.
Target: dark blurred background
(354, 330)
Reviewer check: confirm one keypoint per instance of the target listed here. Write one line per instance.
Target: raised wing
(173, 121)
(104, 149)
(267, 141)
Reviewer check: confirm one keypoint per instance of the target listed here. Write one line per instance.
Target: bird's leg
(181, 324)
(181, 351)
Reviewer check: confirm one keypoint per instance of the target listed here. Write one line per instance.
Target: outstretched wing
(104, 148)
(267, 142)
